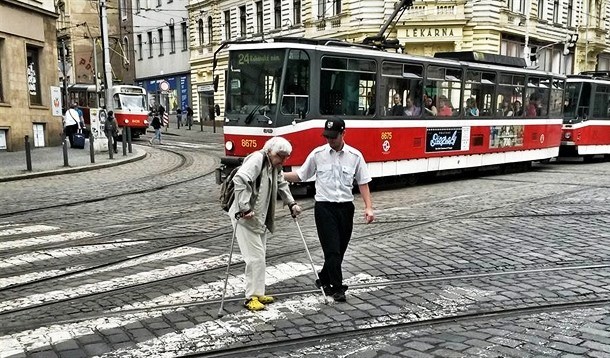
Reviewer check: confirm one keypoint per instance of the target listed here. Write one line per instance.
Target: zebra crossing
(212, 333)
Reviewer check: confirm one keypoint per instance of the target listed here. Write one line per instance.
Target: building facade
(562, 36)
(28, 71)
(161, 49)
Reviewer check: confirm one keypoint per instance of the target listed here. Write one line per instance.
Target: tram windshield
(254, 81)
(129, 102)
(576, 102)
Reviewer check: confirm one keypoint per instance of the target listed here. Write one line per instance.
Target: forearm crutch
(313, 267)
(224, 290)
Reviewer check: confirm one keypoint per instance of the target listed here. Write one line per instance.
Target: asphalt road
(129, 261)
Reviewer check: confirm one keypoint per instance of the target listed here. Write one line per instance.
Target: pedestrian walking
(336, 166)
(257, 183)
(156, 124)
(71, 122)
(189, 116)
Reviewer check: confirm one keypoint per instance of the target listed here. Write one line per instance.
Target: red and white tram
(489, 110)
(129, 104)
(586, 128)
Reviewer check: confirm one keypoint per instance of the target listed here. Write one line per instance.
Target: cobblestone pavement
(129, 261)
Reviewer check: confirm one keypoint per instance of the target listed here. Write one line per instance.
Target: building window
(150, 44)
(571, 13)
(227, 25)
(259, 17)
(337, 7)
(185, 38)
(33, 75)
(138, 6)
(242, 21)
(123, 10)
(160, 42)
(517, 6)
(139, 47)
(172, 39)
(556, 11)
(200, 31)
(277, 12)
(297, 12)
(210, 30)
(125, 51)
(541, 10)
(159, 3)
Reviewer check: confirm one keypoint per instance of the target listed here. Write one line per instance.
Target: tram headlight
(229, 145)
(567, 135)
(126, 121)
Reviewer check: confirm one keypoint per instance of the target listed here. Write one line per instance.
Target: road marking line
(48, 239)
(27, 230)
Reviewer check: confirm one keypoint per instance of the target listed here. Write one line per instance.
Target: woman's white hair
(278, 145)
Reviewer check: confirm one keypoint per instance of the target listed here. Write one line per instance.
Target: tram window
(341, 84)
(510, 95)
(444, 86)
(537, 95)
(600, 101)
(296, 84)
(478, 93)
(556, 103)
(403, 84)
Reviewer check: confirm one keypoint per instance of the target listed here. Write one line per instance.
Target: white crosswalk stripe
(47, 239)
(12, 230)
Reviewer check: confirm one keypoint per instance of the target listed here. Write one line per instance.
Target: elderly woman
(257, 184)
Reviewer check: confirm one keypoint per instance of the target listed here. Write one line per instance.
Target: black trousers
(70, 131)
(334, 222)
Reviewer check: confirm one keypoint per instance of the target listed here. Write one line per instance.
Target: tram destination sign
(443, 139)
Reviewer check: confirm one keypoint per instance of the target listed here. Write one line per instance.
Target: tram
(406, 114)
(586, 126)
(129, 104)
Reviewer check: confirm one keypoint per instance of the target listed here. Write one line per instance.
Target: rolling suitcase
(78, 141)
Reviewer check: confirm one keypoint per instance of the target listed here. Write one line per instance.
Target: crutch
(313, 267)
(224, 290)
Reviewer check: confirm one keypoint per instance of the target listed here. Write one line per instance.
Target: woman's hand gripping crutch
(294, 211)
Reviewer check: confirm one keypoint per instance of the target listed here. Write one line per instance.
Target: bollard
(110, 151)
(28, 155)
(129, 139)
(65, 149)
(91, 150)
(124, 140)
(201, 123)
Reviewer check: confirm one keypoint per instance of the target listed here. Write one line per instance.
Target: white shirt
(71, 117)
(335, 172)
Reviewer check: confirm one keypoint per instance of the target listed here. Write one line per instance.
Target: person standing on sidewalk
(71, 122)
(112, 128)
(336, 166)
(257, 183)
(179, 117)
(156, 124)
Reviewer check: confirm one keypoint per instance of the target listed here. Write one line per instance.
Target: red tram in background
(406, 114)
(129, 104)
(586, 128)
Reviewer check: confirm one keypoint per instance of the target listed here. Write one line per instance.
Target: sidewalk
(48, 161)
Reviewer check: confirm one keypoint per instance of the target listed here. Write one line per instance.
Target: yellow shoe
(253, 304)
(265, 299)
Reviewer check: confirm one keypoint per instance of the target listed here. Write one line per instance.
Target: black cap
(333, 127)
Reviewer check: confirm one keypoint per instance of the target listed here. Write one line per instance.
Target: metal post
(124, 140)
(65, 149)
(65, 79)
(129, 139)
(109, 135)
(28, 155)
(91, 150)
(201, 123)
(106, 54)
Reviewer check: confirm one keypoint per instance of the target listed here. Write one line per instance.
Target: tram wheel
(411, 179)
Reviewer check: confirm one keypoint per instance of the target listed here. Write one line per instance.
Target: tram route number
(386, 135)
(249, 143)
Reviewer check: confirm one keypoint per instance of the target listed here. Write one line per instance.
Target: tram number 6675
(386, 135)
(248, 143)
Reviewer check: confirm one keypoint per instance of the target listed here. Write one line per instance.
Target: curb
(73, 169)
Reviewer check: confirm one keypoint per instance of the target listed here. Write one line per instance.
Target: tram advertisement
(447, 139)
